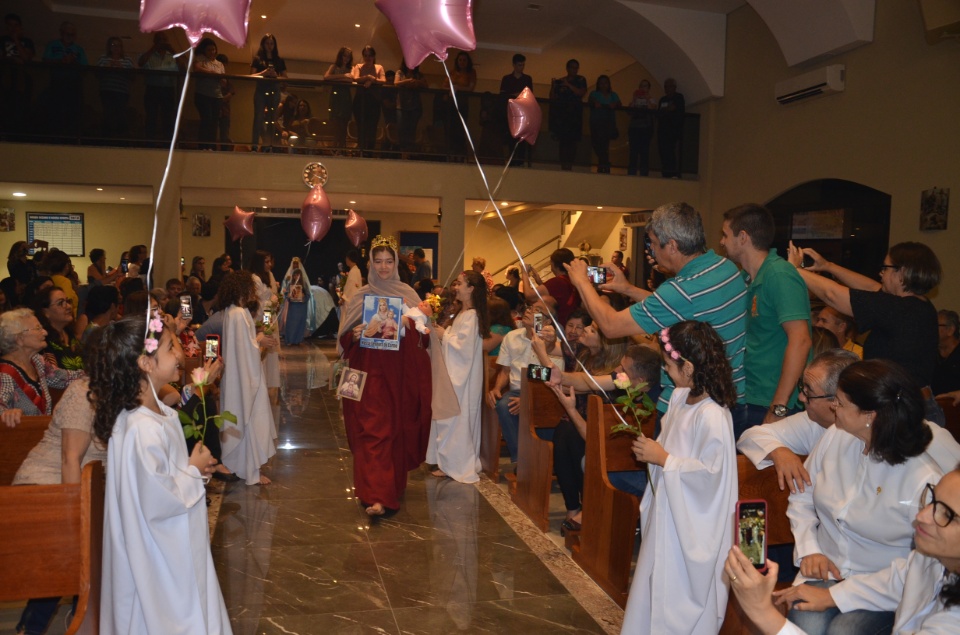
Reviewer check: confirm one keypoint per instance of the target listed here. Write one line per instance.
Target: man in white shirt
(354, 278)
(516, 353)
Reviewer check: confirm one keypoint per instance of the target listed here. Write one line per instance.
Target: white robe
(910, 586)
(250, 443)
(158, 575)
(271, 361)
(455, 442)
(687, 514)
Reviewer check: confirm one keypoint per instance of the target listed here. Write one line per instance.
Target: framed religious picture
(381, 322)
(934, 205)
(201, 225)
(351, 384)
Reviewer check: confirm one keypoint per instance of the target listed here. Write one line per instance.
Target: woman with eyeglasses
(55, 312)
(901, 319)
(922, 589)
(25, 377)
(867, 474)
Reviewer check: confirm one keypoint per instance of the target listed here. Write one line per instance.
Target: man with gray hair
(706, 287)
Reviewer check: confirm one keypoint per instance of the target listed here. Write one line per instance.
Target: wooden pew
(16, 443)
(490, 437)
(52, 538)
(604, 547)
(756, 483)
(539, 408)
(952, 415)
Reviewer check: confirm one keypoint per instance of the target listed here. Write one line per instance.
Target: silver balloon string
(557, 327)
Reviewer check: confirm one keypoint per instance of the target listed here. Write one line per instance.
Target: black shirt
(947, 377)
(902, 329)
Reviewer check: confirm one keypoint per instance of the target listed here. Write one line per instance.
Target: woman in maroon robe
(388, 429)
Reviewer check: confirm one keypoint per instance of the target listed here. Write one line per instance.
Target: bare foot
(264, 480)
(438, 473)
(376, 510)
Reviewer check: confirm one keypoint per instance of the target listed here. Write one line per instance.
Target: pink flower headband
(668, 347)
(152, 340)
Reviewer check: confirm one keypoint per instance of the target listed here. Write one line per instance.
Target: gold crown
(384, 241)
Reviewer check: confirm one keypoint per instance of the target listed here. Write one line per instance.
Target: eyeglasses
(804, 390)
(894, 267)
(942, 514)
(38, 327)
(63, 302)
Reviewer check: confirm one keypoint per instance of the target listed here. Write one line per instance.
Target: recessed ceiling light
(263, 17)
(264, 207)
(357, 25)
(123, 198)
(263, 198)
(19, 194)
(599, 206)
(477, 211)
(353, 202)
(99, 189)
(504, 203)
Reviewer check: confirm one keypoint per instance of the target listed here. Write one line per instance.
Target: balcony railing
(53, 103)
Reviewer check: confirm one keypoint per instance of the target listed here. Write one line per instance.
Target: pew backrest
(16, 443)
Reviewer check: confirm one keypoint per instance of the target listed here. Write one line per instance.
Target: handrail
(540, 246)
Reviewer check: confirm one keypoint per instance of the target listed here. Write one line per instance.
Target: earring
(868, 425)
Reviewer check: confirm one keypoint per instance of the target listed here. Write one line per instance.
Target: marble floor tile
(529, 616)
(340, 623)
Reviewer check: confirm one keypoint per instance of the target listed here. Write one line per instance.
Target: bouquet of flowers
(636, 401)
(195, 425)
(435, 303)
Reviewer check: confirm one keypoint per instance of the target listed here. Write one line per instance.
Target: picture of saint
(381, 322)
(351, 384)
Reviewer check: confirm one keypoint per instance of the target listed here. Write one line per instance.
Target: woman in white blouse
(868, 472)
(923, 588)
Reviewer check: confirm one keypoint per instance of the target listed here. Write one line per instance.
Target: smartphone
(751, 531)
(537, 322)
(124, 264)
(807, 261)
(267, 317)
(183, 261)
(211, 347)
(537, 372)
(186, 307)
(598, 275)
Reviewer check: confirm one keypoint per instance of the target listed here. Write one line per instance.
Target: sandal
(569, 525)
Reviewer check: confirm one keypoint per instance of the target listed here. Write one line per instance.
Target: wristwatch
(779, 410)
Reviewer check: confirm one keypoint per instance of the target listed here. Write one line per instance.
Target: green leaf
(229, 416)
(196, 415)
(190, 432)
(184, 418)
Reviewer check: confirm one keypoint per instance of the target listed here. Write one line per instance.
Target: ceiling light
(599, 206)
(263, 17)
(99, 189)
(477, 211)
(357, 25)
(353, 202)
(123, 198)
(263, 198)
(19, 194)
(504, 203)
(264, 207)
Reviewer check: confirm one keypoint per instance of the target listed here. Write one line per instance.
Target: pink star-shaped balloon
(227, 19)
(430, 26)
(240, 224)
(524, 116)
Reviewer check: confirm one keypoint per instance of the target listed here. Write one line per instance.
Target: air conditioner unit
(823, 81)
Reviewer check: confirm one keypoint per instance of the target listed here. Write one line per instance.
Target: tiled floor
(300, 556)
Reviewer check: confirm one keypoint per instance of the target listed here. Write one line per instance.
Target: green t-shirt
(778, 294)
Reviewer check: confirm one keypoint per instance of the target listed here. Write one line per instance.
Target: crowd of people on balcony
(369, 109)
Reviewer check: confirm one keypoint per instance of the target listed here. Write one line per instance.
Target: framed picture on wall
(429, 242)
(8, 220)
(934, 205)
(201, 225)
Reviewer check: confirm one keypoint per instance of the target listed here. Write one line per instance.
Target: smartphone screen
(212, 347)
(124, 264)
(267, 317)
(752, 531)
(538, 373)
(186, 307)
(537, 322)
(598, 275)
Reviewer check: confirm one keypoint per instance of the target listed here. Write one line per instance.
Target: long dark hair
(258, 265)
(341, 55)
(469, 67)
(478, 297)
(262, 51)
(886, 389)
(699, 344)
(115, 376)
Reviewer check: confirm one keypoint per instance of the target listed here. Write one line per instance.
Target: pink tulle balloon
(315, 214)
(430, 26)
(356, 228)
(525, 116)
(227, 19)
(240, 224)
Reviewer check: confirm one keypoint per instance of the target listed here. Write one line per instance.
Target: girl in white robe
(158, 574)
(688, 507)
(454, 444)
(248, 444)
